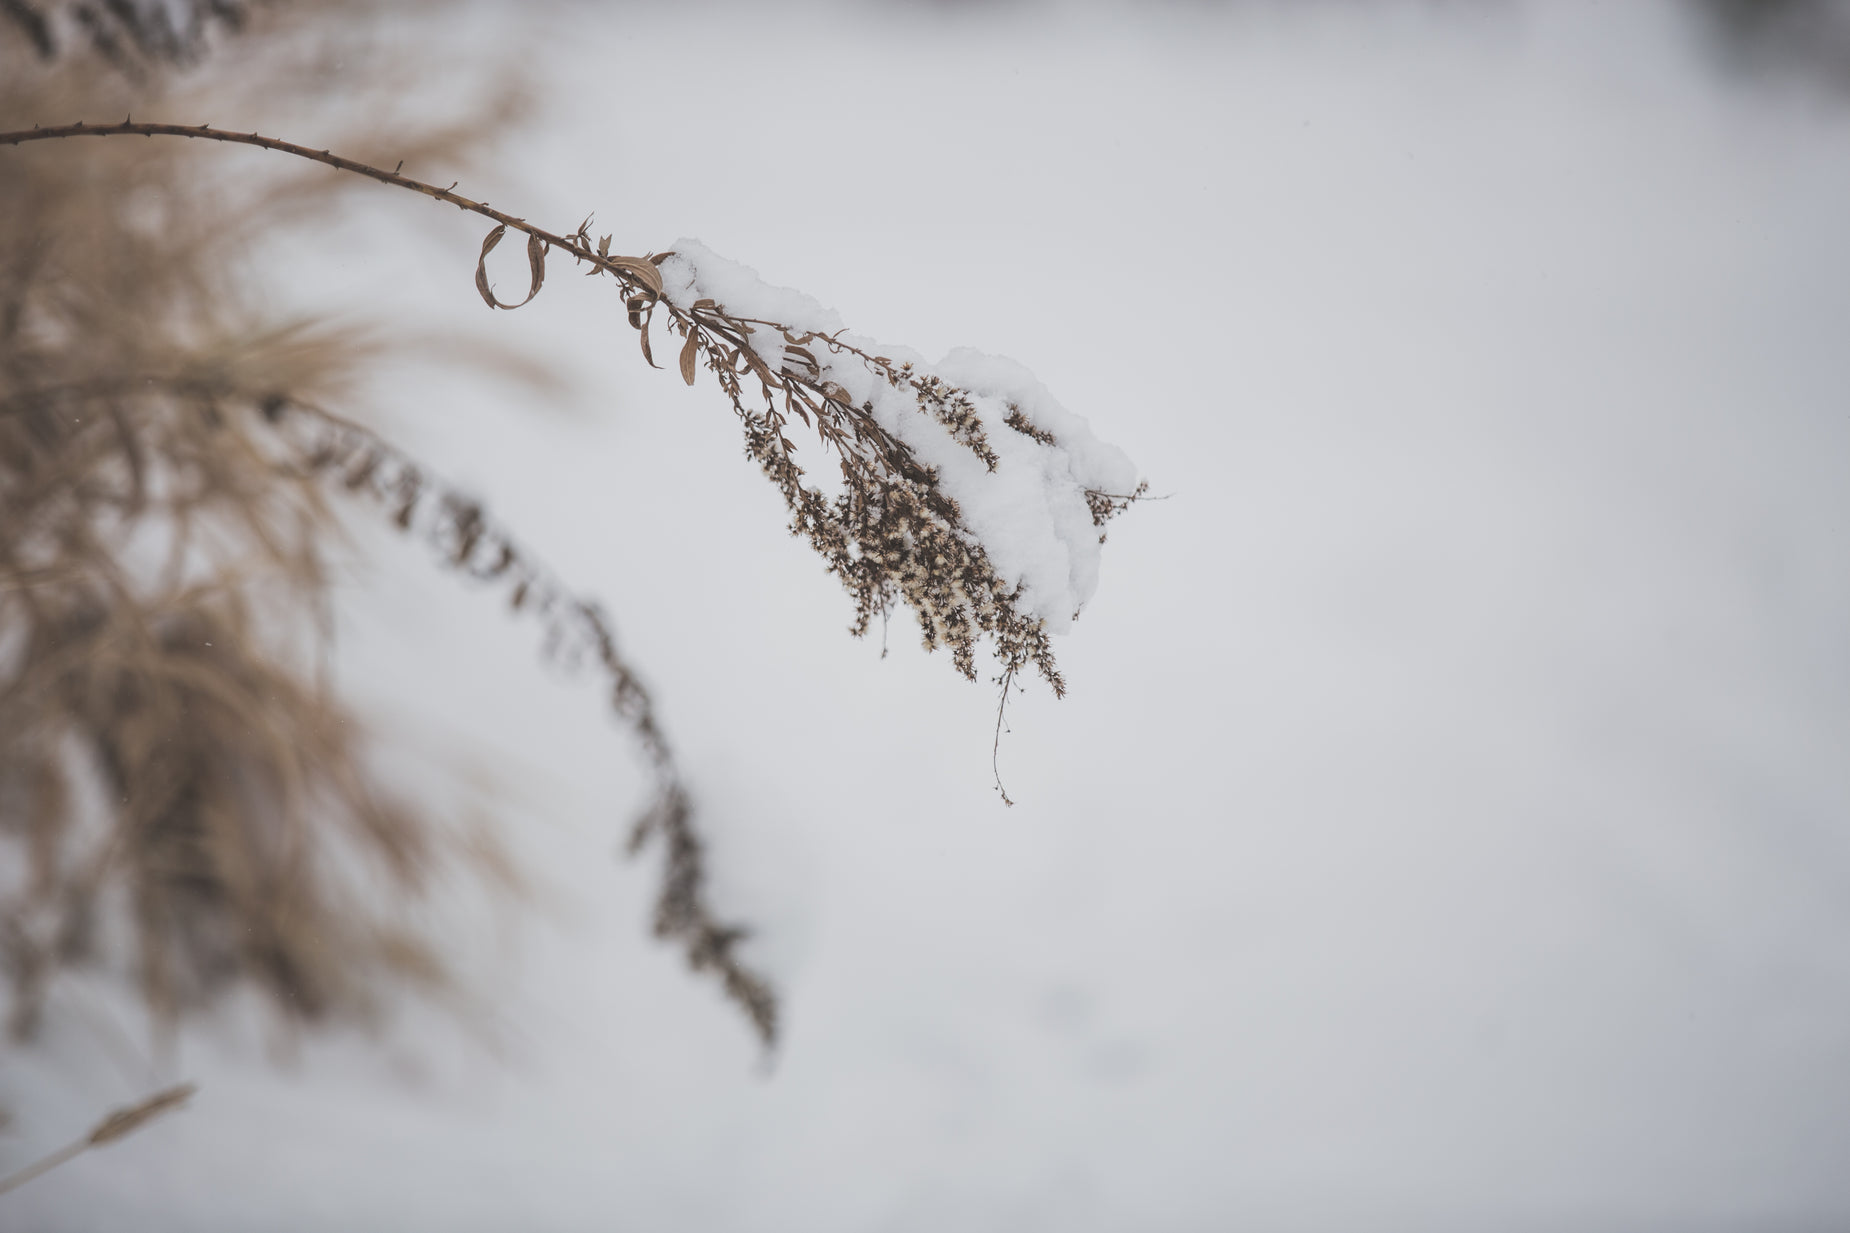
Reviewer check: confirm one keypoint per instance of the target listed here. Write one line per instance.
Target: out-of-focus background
(1449, 823)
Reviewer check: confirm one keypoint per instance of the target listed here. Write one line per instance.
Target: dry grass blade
(118, 1125)
(124, 1122)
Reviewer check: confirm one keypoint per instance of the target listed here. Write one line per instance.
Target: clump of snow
(1029, 510)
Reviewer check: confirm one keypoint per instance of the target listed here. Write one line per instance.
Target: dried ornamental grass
(182, 800)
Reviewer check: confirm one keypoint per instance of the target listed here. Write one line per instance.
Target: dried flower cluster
(893, 532)
(912, 448)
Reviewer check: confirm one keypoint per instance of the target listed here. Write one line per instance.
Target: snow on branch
(967, 490)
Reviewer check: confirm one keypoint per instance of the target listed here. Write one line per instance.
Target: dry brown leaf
(643, 272)
(481, 266)
(641, 322)
(536, 264)
(758, 366)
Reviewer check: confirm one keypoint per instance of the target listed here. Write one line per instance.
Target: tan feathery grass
(181, 799)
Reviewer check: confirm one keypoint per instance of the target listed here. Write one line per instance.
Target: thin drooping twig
(329, 446)
(118, 1125)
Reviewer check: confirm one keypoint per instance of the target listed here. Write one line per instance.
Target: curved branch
(634, 272)
(895, 532)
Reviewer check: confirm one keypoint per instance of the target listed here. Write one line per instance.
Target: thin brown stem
(70, 1151)
(624, 268)
(995, 749)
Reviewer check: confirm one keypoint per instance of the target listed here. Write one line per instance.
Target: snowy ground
(1449, 825)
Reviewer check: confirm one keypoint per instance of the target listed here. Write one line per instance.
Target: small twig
(118, 1125)
(995, 750)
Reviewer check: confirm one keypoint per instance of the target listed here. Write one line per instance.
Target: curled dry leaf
(481, 266)
(536, 268)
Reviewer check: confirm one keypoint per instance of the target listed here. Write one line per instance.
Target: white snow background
(1449, 823)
